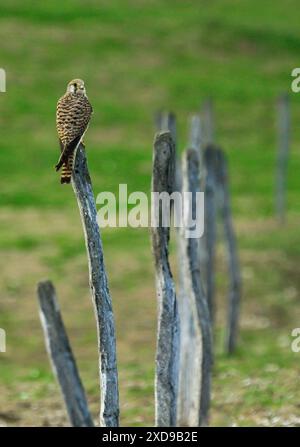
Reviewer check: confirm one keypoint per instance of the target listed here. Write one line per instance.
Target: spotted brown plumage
(73, 114)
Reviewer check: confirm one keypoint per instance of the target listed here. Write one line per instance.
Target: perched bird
(73, 114)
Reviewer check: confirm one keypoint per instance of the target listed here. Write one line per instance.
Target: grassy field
(137, 57)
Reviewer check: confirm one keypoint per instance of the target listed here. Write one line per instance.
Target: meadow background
(136, 57)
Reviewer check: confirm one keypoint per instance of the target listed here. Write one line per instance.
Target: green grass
(133, 65)
(138, 57)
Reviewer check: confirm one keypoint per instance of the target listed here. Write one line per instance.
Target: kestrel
(73, 114)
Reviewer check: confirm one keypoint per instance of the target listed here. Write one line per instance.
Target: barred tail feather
(67, 169)
(65, 174)
(66, 151)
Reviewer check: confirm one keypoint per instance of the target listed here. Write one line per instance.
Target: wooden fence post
(109, 411)
(210, 226)
(196, 343)
(61, 356)
(196, 142)
(234, 296)
(196, 134)
(166, 121)
(283, 155)
(166, 378)
(188, 400)
(208, 121)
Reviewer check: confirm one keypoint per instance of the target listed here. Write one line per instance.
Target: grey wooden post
(234, 295)
(196, 133)
(166, 377)
(165, 121)
(196, 142)
(188, 400)
(196, 344)
(210, 225)
(62, 358)
(109, 411)
(208, 121)
(283, 155)
(172, 126)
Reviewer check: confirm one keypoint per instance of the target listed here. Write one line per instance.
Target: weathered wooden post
(188, 388)
(234, 295)
(283, 155)
(166, 121)
(210, 225)
(166, 378)
(195, 133)
(196, 142)
(61, 356)
(109, 412)
(208, 121)
(196, 343)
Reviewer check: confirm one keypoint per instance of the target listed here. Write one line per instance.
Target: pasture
(137, 57)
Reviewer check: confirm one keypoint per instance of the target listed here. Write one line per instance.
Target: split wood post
(283, 155)
(62, 358)
(196, 142)
(167, 362)
(165, 121)
(210, 226)
(186, 394)
(234, 295)
(195, 390)
(109, 411)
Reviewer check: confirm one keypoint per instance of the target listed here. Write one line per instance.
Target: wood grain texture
(196, 142)
(234, 295)
(166, 121)
(167, 362)
(210, 226)
(194, 316)
(109, 411)
(62, 358)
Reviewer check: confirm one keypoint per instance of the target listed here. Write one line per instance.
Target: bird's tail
(67, 169)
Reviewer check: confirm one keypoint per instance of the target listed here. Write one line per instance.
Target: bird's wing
(73, 114)
(66, 151)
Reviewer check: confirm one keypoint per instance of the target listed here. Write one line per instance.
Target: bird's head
(76, 86)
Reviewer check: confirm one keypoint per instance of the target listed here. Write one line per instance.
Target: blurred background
(137, 57)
